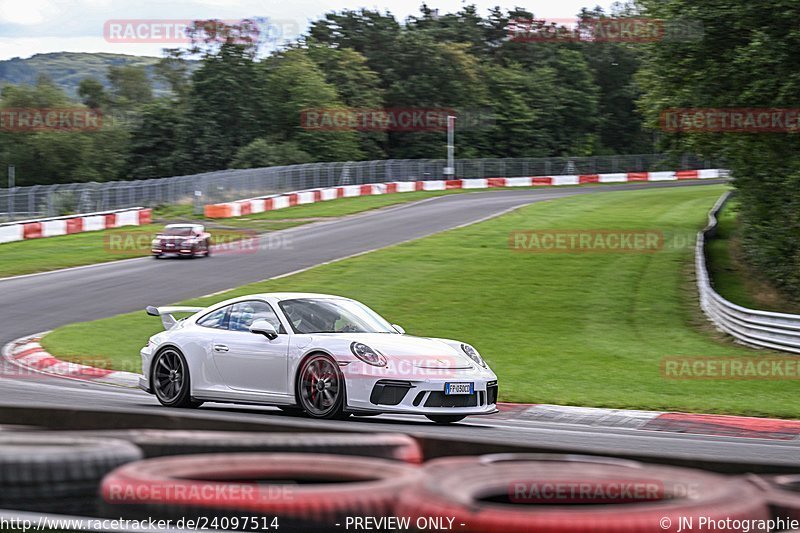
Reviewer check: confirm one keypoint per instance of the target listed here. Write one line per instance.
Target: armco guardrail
(778, 331)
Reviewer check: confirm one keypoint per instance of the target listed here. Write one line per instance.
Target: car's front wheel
(171, 381)
(446, 419)
(320, 388)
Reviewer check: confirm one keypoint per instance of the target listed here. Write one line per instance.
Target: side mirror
(263, 327)
(398, 329)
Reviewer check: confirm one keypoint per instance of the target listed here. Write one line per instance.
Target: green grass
(573, 329)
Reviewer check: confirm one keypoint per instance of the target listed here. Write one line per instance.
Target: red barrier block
(391, 188)
(366, 190)
(453, 184)
(496, 182)
(687, 174)
(542, 181)
(317, 196)
(75, 225)
(268, 206)
(292, 200)
(638, 176)
(111, 221)
(339, 192)
(419, 186)
(245, 208)
(32, 230)
(589, 178)
(145, 216)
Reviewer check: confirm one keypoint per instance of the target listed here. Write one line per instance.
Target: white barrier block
(53, 228)
(257, 206)
(434, 185)
(94, 223)
(128, 218)
(305, 197)
(406, 186)
(11, 233)
(662, 176)
(352, 190)
(280, 202)
(613, 178)
(475, 183)
(708, 173)
(379, 188)
(329, 194)
(518, 182)
(565, 180)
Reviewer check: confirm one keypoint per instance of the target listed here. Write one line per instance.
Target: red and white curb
(31, 359)
(68, 225)
(689, 423)
(289, 199)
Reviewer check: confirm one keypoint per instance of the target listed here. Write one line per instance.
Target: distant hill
(67, 69)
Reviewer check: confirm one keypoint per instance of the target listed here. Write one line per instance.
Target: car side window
(215, 319)
(243, 314)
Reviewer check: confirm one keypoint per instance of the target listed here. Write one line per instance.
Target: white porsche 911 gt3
(328, 356)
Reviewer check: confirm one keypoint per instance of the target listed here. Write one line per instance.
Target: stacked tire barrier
(57, 474)
(289, 199)
(68, 225)
(323, 482)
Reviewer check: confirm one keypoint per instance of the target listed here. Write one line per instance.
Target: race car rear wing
(166, 313)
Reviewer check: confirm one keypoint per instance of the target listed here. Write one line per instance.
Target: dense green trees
(741, 54)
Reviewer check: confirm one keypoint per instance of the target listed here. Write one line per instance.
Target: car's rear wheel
(171, 381)
(446, 419)
(320, 387)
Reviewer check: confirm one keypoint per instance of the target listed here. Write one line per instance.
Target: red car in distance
(182, 240)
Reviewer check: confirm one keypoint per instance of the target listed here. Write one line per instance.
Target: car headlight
(367, 354)
(473, 354)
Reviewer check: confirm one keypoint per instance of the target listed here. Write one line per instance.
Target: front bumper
(172, 251)
(370, 391)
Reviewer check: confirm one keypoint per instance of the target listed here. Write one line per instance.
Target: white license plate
(458, 388)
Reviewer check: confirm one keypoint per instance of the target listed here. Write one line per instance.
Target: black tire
(208, 249)
(170, 380)
(50, 473)
(446, 419)
(486, 496)
(157, 256)
(320, 388)
(315, 491)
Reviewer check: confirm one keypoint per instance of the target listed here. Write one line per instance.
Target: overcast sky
(30, 27)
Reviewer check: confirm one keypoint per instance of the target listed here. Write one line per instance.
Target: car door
(248, 361)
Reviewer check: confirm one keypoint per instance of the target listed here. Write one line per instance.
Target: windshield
(330, 315)
(178, 232)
